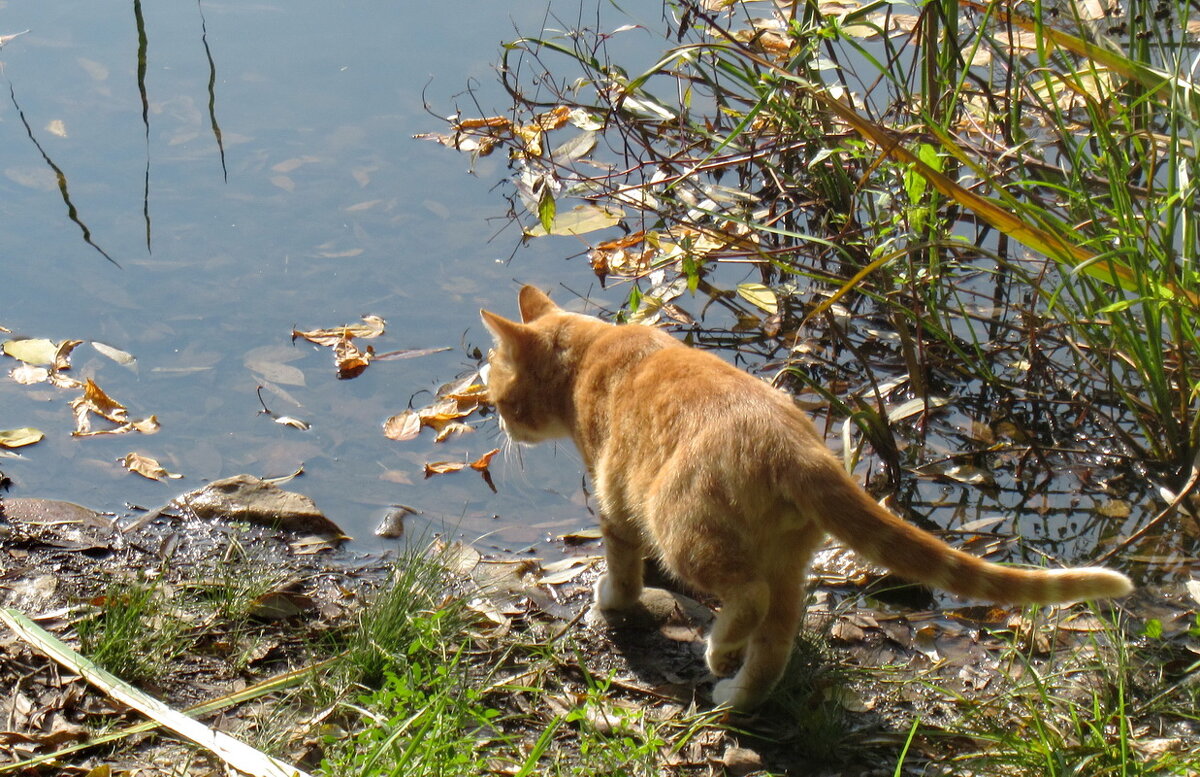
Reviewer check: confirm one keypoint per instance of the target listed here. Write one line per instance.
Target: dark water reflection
(251, 168)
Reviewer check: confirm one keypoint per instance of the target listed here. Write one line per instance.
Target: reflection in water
(141, 79)
(72, 213)
(212, 90)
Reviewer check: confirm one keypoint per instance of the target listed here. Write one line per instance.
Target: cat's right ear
(507, 334)
(534, 303)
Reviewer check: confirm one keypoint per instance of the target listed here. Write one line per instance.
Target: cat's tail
(847, 512)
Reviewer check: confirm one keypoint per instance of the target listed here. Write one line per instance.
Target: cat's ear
(508, 334)
(534, 303)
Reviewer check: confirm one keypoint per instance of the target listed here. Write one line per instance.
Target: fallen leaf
(94, 400)
(481, 464)
(409, 353)
(37, 351)
(123, 358)
(16, 438)
(453, 429)
(760, 296)
(372, 326)
(147, 467)
(579, 221)
(402, 427)
(28, 374)
(62, 354)
(442, 467)
(351, 361)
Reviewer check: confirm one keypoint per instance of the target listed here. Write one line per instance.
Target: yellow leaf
(579, 221)
(39, 352)
(16, 438)
(760, 296)
(146, 467)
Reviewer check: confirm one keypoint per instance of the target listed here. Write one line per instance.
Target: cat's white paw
(725, 692)
(609, 597)
(723, 660)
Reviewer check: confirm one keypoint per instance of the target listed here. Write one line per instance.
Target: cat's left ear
(534, 303)
(506, 333)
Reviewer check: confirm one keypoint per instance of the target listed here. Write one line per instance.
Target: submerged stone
(253, 500)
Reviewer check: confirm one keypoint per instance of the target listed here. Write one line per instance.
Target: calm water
(315, 207)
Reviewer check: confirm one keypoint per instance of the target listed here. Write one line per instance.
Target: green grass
(132, 631)
(1097, 710)
(1010, 190)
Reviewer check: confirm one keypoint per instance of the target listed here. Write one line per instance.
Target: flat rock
(253, 500)
(51, 512)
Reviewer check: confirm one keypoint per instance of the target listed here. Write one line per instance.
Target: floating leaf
(28, 374)
(16, 438)
(62, 354)
(483, 462)
(760, 296)
(442, 467)
(409, 353)
(372, 326)
(453, 429)
(147, 467)
(579, 221)
(122, 358)
(351, 360)
(94, 400)
(402, 427)
(37, 351)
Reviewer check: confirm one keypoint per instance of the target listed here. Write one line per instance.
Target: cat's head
(528, 371)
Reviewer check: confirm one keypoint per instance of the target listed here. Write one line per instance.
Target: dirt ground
(846, 707)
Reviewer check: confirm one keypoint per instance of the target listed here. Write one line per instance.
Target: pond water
(189, 181)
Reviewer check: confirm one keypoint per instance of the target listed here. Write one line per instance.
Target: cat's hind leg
(767, 648)
(742, 613)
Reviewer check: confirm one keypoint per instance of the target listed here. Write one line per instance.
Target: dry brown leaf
(402, 427)
(351, 361)
(442, 467)
(372, 326)
(453, 429)
(481, 464)
(62, 355)
(147, 467)
(96, 401)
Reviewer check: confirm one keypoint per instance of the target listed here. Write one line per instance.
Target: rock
(48, 512)
(250, 499)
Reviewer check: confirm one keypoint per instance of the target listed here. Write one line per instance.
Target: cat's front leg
(621, 585)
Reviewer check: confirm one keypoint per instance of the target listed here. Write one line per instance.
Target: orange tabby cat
(724, 479)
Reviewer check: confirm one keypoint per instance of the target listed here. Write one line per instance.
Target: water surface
(189, 181)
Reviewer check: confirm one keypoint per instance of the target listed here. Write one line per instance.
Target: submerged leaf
(146, 467)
